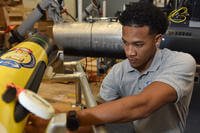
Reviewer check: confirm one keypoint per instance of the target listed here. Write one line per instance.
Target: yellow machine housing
(23, 65)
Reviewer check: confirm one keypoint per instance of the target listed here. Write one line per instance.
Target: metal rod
(64, 77)
(89, 98)
(80, 10)
(85, 88)
(70, 64)
(78, 93)
(82, 85)
(104, 8)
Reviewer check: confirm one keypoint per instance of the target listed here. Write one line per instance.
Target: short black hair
(145, 14)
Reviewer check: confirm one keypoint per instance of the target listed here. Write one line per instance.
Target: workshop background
(73, 75)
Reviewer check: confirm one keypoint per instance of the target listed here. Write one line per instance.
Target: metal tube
(78, 93)
(29, 22)
(56, 123)
(64, 77)
(70, 64)
(104, 8)
(89, 98)
(32, 18)
(80, 10)
(98, 39)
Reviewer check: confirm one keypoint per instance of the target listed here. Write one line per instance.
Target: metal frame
(82, 87)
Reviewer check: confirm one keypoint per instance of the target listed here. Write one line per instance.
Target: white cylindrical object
(36, 104)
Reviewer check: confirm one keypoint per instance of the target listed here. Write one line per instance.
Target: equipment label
(17, 58)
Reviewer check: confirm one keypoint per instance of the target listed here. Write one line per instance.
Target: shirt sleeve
(110, 86)
(179, 73)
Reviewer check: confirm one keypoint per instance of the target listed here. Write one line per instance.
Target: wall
(69, 4)
(113, 6)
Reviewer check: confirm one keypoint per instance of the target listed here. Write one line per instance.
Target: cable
(67, 13)
(179, 15)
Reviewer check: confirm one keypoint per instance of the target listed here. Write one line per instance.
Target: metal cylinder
(80, 10)
(98, 39)
(104, 8)
(26, 25)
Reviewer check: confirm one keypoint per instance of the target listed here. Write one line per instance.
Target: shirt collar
(154, 64)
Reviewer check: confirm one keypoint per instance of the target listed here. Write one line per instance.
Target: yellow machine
(23, 65)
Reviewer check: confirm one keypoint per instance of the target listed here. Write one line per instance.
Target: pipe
(78, 93)
(18, 35)
(104, 8)
(32, 18)
(80, 10)
(89, 98)
(64, 77)
(98, 39)
(26, 25)
(80, 74)
(57, 123)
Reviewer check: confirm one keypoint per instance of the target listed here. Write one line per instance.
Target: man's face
(139, 46)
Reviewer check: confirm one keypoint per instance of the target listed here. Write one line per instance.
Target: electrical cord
(178, 15)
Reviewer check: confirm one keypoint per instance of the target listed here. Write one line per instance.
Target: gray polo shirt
(177, 69)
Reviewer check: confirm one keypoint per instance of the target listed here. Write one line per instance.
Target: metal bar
(104, 8)
(78, 93)
(89, 98)
(85, 88)
(71, 64)
(80, 10)
(64, 77)
(82, 85)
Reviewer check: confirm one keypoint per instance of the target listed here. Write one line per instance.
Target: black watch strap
(72, 121)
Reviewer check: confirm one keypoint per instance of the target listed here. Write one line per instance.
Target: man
(151, 87)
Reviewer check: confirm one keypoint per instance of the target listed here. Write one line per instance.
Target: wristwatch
(72, 121)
